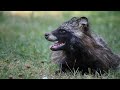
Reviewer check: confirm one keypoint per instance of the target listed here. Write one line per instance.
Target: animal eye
(62, 31)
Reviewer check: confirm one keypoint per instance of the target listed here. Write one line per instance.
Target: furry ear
(83, 21)
(83, 24)
(73, 21)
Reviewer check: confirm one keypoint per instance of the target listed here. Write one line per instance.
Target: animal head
(67, 32)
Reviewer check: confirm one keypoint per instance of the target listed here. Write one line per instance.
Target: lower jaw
(57, 49)
(54, 49)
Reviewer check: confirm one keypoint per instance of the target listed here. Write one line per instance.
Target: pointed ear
(83, 21)
(83, 24)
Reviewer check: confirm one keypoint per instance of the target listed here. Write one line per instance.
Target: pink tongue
(54, 46)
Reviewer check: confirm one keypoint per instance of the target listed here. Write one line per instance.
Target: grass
(25, 54)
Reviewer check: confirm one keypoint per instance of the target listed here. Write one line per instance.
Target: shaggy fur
(77, 48)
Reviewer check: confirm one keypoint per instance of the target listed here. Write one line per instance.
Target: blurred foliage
(24, 52)
(1, 16)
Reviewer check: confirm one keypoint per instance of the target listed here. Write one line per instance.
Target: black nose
(47, 35)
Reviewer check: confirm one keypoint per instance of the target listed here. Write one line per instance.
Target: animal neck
(81, 48)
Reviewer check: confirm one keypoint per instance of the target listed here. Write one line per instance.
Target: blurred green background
(24, 52)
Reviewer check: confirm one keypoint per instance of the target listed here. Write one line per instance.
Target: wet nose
(47, 35)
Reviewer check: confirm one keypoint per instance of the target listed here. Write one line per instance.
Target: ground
(25, 54)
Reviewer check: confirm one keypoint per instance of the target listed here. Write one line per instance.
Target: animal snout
(47, 35)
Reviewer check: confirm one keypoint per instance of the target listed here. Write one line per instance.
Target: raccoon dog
(77, 48)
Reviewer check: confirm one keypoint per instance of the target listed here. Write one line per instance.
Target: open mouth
(58, 45)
